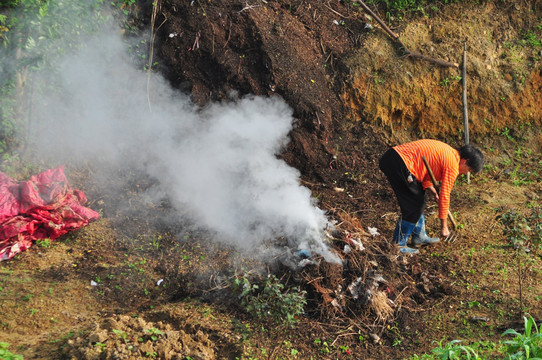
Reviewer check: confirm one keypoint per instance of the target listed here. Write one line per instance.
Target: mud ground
(122, 288)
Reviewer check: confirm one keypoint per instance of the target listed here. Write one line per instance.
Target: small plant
(445, 82)
(271, 300)
(523, 230)
(453, 350)
(399, 8)
(531, 39)
(345, 350)
(155, 241)
(527, 345)
(325, 348)
(100, 345)
(44, 243)
(121, 334)
(5, 354)
(506, 131)
(154, 333)
(124, 5)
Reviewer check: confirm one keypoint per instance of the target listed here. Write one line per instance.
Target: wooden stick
(382, 23)
(465, 111)
(395, 37)
(435, 184)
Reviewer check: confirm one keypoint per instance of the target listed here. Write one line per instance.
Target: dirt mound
(274, 48)
(170, 333)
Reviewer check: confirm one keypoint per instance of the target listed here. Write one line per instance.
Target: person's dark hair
(474, 157)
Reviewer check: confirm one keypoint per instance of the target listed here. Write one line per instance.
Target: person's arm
(444, 231)
(448, 177)
(433, 190)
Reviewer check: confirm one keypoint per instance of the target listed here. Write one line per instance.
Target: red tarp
(43, 207)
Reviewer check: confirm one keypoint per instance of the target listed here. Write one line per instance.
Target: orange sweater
(443, 160)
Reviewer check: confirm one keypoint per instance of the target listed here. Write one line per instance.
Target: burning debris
(355, 286)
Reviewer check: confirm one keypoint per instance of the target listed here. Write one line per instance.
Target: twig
(408, 53)
(213, 40)
(248, 7)
(341, 15)
(315, 279)
(229, 35)
(322, 46)
(196, 42)
(377, 18)
(341, 335)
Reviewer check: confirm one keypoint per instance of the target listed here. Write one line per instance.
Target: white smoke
(218, 164)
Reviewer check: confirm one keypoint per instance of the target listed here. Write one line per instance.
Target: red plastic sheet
(43, 207)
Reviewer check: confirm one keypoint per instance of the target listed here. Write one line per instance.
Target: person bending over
(409, 179)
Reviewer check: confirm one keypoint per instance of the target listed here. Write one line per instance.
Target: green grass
(524, 345)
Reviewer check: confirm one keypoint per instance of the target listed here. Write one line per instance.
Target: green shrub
(5, 354)
(269, 298)
(33, 34)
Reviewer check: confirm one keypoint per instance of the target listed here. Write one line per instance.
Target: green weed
(100, 345)
(270, 299)
(532, 39)
(121, 334)
(523, 230)
(527, 345)
(5, 354)
(325, 347)
(44, 243)
(154, 333)
(453, 350)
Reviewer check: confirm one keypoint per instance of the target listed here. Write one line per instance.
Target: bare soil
(124, 288)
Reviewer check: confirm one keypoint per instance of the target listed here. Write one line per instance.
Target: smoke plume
(218, 164)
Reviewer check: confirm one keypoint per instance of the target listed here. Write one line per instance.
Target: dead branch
(341, 15)
(408, 53)
(248, 7)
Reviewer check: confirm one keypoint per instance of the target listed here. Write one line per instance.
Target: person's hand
(444, 232)
(433, 190)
